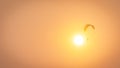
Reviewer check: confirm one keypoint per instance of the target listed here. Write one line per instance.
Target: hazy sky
(38, 34)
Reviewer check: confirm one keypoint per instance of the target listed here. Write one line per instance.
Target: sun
(79, 40)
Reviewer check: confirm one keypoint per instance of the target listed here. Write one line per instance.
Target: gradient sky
(38, 34)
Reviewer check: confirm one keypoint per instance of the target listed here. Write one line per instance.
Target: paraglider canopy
(88, 25)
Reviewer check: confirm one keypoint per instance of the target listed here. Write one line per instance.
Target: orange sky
(39, 34)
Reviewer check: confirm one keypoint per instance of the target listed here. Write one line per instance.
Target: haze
(38, 34)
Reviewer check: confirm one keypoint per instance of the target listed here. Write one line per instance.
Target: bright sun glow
(78, 40)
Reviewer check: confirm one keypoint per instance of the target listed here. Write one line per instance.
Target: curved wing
(88, 25)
